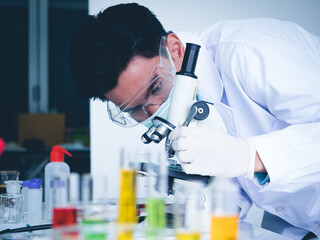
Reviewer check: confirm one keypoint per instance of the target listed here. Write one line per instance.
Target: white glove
(207, 151)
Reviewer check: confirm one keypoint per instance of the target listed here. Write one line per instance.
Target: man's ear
(176, 50)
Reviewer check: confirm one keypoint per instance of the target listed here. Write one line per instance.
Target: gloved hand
(208, 151)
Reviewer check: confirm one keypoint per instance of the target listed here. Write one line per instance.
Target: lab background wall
(183, 15)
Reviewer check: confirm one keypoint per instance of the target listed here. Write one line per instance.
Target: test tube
(86, 189)
(93, 189)
(187, 210)
(225, 211)
(127, 200)
(100, 195)
(157, 172)
(74, 189)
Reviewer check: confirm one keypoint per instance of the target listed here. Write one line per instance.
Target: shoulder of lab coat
(278, 69)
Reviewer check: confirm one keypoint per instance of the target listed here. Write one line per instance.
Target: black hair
(104, 45)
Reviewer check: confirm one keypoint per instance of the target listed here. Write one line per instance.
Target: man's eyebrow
(148, 91)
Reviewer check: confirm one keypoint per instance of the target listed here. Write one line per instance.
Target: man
(263, 76)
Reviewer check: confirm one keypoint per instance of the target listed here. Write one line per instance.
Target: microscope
(184, 110)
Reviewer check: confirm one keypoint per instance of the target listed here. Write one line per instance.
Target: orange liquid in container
(224, 227)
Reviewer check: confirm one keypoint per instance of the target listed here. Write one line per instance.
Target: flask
(34, 203)
(95, 209)
(225, 211)
(56, 167)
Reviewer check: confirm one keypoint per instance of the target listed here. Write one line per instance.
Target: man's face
(144, 84)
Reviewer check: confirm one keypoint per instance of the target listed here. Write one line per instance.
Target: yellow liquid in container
(224, 227)
(125, 235)
(127, 202)
(188, 236)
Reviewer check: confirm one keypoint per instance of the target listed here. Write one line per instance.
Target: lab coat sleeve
(284, 79)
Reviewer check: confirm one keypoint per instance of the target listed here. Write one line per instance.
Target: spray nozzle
(57, 154)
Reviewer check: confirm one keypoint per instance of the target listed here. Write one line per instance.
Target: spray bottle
(56, 167)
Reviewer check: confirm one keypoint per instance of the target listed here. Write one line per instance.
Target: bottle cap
(2, 146)
(34, 185)
(13, 186)
(37, 180)
(57, 154)
(26, 183)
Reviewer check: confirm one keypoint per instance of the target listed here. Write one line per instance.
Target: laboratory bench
(246, 232)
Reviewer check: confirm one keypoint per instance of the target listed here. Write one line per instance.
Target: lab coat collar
(210, 84)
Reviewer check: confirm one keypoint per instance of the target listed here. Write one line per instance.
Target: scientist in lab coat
(263, 75)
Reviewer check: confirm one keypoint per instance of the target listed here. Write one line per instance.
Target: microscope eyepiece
(190, 60)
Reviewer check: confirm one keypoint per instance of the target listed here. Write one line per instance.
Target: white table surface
(246, 232)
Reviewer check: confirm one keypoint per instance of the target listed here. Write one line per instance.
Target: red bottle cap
(2, 146)
(64, 217)
(57, 154)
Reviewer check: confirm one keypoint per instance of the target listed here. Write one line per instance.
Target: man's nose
(151, 108)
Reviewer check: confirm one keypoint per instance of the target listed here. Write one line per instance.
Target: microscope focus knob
(202, 110)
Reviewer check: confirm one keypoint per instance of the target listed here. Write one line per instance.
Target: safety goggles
(155, 91)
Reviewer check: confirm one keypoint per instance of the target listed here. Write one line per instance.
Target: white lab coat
(264, 75)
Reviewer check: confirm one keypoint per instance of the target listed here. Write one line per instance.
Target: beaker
(7, 175)
(95, 208)
(187, 208)
(225, 211)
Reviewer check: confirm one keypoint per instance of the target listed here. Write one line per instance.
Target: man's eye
(135, 110)
(157, 89)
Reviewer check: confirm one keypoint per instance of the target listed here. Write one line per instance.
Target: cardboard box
(47, 127)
